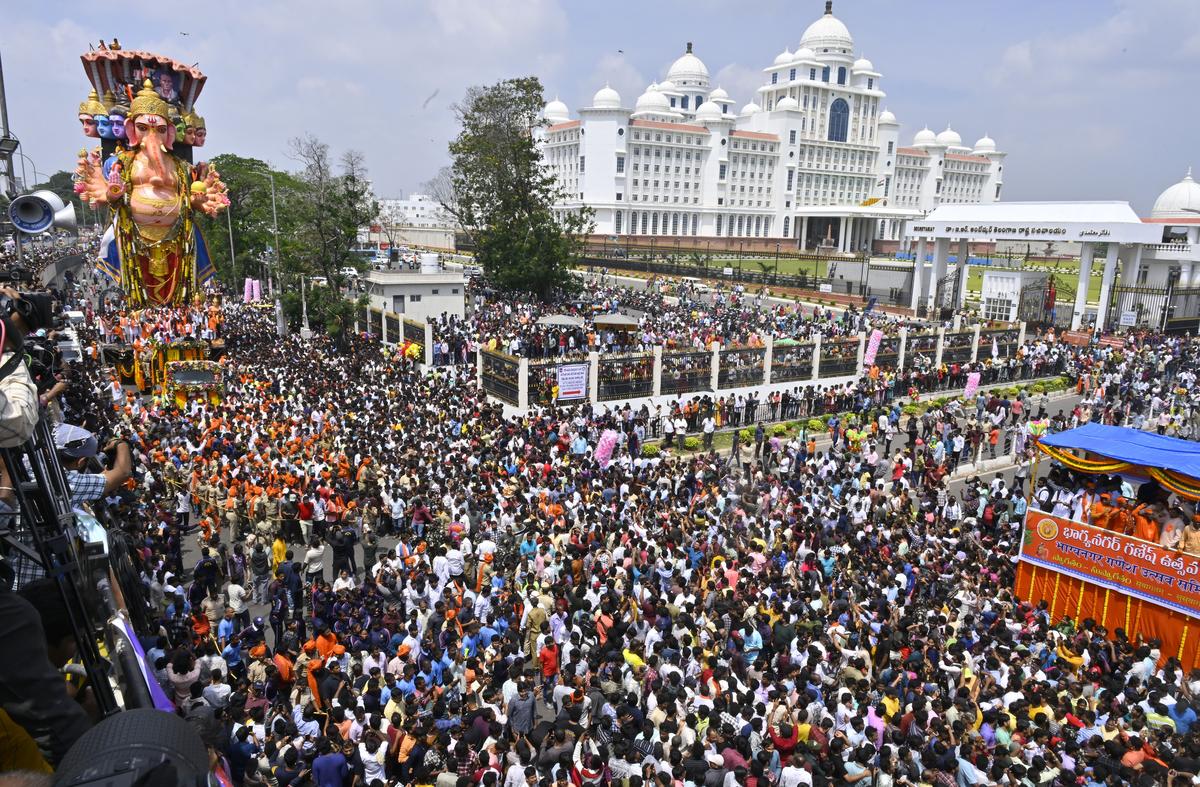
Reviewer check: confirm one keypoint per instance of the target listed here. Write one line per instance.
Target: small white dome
(556, 112)
(950, 138)
(652, 101)
(688, 67)
(718, 95)
(606, 98)
(784, 57)
(708, 111)
(786, 104)
(1180, 201)
(804, 53)
(985, 144)
(666, 86)
(862, 64)
(886, 118)
(924, 137)
(751, 109)
(828, 32)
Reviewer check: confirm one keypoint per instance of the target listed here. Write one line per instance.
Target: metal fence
(740, 368)
(686, 372)
(958, 346)
(792, 363)
(501, 376)
(414, 331)
(839, 358)
(625, 376)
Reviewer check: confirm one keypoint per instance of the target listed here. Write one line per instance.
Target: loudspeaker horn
(40, 211)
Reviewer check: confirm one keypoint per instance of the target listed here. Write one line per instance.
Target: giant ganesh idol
(156, 248)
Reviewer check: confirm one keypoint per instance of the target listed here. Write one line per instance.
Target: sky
(1091, 99)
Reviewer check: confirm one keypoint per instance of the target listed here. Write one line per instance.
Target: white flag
(995, 348)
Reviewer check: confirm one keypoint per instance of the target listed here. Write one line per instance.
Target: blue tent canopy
(1133, 446)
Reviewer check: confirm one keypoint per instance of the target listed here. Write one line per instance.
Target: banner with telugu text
(1128, 565)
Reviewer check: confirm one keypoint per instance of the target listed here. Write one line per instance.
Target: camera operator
(76, 447)
(19, 314)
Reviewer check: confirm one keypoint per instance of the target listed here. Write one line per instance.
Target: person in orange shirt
(1145, 523)
(1100, 512)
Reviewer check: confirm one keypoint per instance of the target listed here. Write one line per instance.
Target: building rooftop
(414, 277)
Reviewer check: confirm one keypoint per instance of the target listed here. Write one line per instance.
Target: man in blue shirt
(329, 769)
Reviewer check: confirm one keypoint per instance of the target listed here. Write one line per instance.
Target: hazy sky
(1089, 98)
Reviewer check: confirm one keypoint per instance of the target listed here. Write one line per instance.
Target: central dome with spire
(828, 32)
(688, 69)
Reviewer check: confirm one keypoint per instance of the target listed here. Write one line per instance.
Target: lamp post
(777, 263)
(275, 229)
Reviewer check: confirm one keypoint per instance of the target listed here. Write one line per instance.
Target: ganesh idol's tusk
(163, 147)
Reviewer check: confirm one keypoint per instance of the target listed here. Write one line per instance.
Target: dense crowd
(364, 573)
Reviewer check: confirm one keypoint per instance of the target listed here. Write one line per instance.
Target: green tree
(336, 206)
(502, 195)
(249, 183)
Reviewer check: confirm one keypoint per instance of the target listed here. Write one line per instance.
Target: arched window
(842, 75)
(787, 222)
(617, 227)
(674, 224)
(720, 224)
(653, 223)
(839, 120)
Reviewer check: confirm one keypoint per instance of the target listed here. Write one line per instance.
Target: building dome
(828, 32)
(666, 86)
(985, 144)
(718, 95)
(652, 101)
(606, 98)
(556, 112)
(949, 138)
(784, 57)
(688, 67)
(1181, 201)
(804, 53)
(862, 64)
(924, 137)
(886, 118)
(751, 109)
(708, 111)
(787, 104)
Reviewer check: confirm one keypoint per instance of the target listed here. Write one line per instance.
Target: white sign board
(1128, 318)
(572, 381)
(727, 271)
(826, 288)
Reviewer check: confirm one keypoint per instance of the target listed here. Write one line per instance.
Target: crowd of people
(359, 572)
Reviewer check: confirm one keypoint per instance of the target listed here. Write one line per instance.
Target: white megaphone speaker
(35, 213)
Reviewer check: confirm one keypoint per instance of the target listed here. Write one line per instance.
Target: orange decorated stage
(1120, 581)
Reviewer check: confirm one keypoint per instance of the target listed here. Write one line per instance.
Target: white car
(351, 273)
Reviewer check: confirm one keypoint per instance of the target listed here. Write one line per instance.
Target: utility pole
(275, 227)
(8, 146)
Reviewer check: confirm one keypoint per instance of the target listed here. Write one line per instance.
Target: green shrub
(1037, 388)
(650, 450)
(779, 430)
(1011, 391)
(912, 409)
(691, 443)
(816, 425)
(747, 435)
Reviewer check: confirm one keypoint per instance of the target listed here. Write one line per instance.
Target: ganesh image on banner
(143, 173)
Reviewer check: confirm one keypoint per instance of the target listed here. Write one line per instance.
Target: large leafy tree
(253, 222)
(502, 195)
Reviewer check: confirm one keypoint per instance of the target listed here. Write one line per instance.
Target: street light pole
(275, 227)
(8, 143)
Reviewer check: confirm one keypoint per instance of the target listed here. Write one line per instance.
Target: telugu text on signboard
(572, 381)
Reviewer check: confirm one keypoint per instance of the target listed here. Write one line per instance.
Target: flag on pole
(995, 348)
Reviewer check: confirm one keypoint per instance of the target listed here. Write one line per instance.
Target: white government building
(813, 158)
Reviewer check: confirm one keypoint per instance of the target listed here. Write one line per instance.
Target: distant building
(419, 295)
(418, 210)
(813, 159)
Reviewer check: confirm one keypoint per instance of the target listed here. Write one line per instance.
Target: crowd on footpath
(394, 582)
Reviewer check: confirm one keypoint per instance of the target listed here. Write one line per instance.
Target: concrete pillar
(657, 389)
(478, 368)
(368, 318)
(429, 344)
(1129, 270)
(956, 322)
(918, 275)
(768, 359)
(803, 232)
(356, 330)
(383, 327)
(1106, 283)
(937, 358)
(1086, 253)
(964, 257)
(715, 379)
(844, 224)
(594, 377)
(975, 343)
(523, 384)
(903, 348)
(816, 359)
(937, 272)
(862, 351)
(1020, 333)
